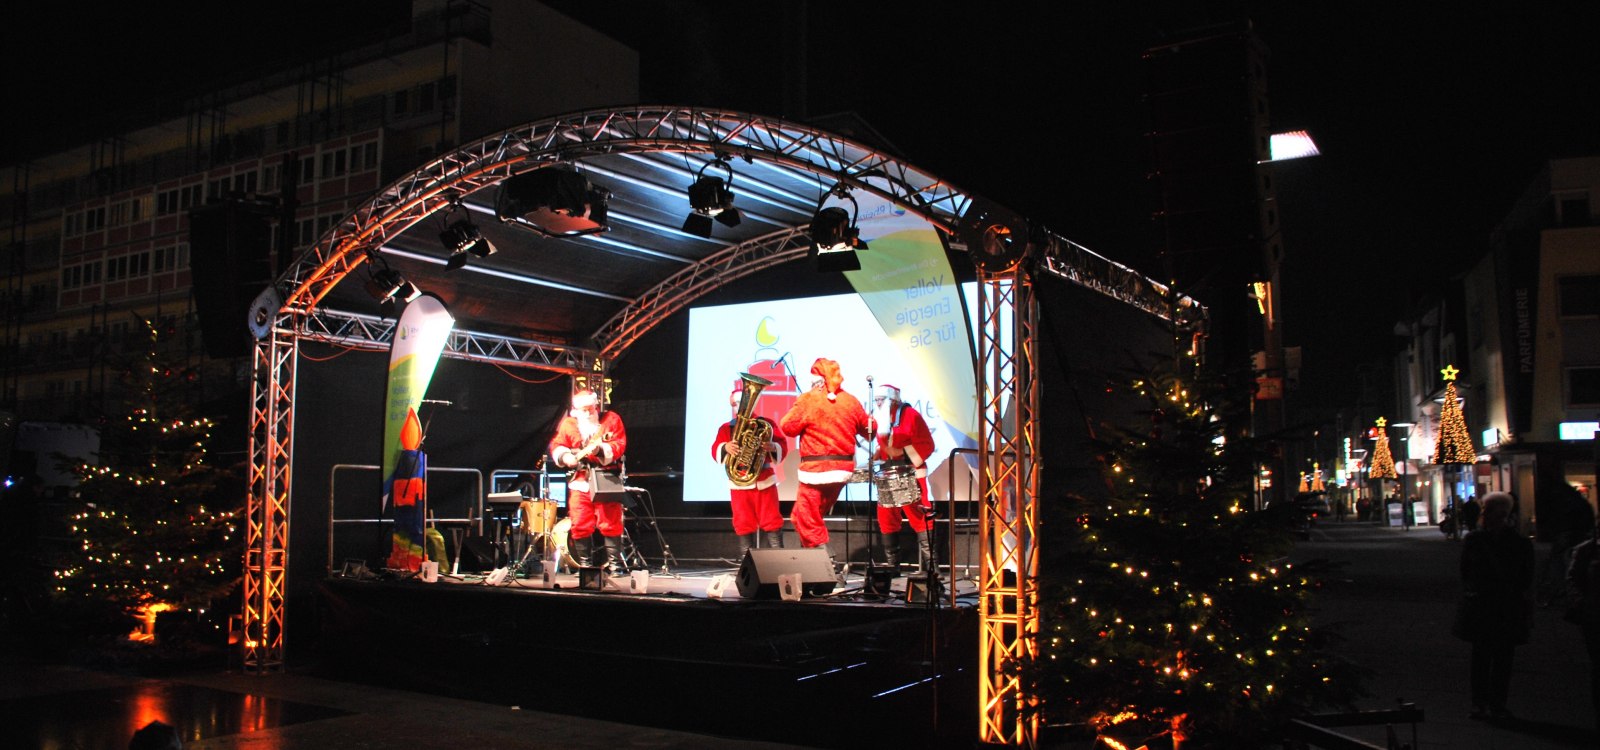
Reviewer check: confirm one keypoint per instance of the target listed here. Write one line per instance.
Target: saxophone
(749, 436)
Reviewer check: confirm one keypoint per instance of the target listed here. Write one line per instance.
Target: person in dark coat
(1470, 510)
(1583, 579)
(1496, 603)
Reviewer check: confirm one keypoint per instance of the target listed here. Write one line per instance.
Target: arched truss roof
(564, 303)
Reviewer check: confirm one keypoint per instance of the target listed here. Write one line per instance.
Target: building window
(308, 169)
(269, 178)
(1579, 296)
(1572, 209)
(1583, 386)
(401, 102)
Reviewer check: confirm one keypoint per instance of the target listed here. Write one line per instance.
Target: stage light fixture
(463, 237)
(387, 285)
(554, 201)
(711, 198)
(996, 238)
(835, 237)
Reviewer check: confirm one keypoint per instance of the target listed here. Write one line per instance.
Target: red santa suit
(756, 506)
(827, 421)
(904, 439)
(572, 437)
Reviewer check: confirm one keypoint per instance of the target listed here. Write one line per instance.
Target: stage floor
(715, 583)
(682, 650)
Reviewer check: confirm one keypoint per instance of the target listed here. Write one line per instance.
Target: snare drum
(897, 486)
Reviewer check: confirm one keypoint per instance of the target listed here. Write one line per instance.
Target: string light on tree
(155, 531)
(1382, 460)
(1454, 446)
(1211, 641)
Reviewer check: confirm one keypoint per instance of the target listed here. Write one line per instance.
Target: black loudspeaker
(879, 580)
(759, 571)
(230, 262)
(479, 553)
(923, 589)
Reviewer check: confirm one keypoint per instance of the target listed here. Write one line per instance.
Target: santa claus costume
(755, 507)
(904, 441)
(587, 441)
(827, 421)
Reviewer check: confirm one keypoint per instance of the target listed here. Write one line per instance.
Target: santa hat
(829, 371)
(734, 396)
(891, 393)
(584, 399)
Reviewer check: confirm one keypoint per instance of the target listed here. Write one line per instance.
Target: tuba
(749, 436)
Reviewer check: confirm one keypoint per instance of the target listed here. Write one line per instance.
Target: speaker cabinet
(480, 553)
(759, 571)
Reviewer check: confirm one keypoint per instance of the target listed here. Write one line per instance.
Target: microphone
(440, 402)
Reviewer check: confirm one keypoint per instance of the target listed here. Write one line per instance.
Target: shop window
(1583, 386)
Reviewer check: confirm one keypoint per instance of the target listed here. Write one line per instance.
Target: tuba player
(755, 503)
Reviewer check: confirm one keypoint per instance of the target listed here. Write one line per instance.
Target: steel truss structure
(1010, 472)
(1008, 485)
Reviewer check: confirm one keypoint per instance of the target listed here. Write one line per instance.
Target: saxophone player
(749, 460)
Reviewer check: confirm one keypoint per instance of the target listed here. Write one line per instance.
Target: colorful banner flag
(419, 339)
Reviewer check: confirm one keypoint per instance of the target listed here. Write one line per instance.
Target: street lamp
(1405, 458)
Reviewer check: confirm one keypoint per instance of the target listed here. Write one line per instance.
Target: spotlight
(996, 238)
(463, 237)
(386, 285)
(555, 201)
(835, 237)
(711, 198)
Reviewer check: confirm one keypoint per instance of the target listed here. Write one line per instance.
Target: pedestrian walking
(1496, 603)
(1583, 579)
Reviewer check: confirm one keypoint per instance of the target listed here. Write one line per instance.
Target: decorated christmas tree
(1168, 610)
(1454, 446)
(152, 531)
(1382, 460)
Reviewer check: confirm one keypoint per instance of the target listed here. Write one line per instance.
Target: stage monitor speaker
(923, 589)
(759, 571)
(879, 581)
(479, 553)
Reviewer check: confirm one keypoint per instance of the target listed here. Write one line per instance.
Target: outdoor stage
(846, 669)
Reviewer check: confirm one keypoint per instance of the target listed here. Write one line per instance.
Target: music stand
(647, 504)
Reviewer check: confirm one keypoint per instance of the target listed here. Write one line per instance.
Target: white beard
(587, 428)
(882, 415)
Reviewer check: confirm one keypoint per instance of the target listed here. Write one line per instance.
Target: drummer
(904, 444)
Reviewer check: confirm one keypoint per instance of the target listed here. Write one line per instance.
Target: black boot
(891, 549)
(925, 553)
(746, 541)
(774, 538)
(616, 564)
(581, 550)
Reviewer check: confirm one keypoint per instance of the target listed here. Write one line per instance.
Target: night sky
(1431, 117)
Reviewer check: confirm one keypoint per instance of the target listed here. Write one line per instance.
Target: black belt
(829, 457)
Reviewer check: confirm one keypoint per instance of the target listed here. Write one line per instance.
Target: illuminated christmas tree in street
(1382, 460)
(151, 532)
(1454, 447)
(1167, 606)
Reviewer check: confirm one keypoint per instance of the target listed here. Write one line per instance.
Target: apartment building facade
(101, 235)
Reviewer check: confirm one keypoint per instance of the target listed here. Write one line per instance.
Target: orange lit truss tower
(1008, 254)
